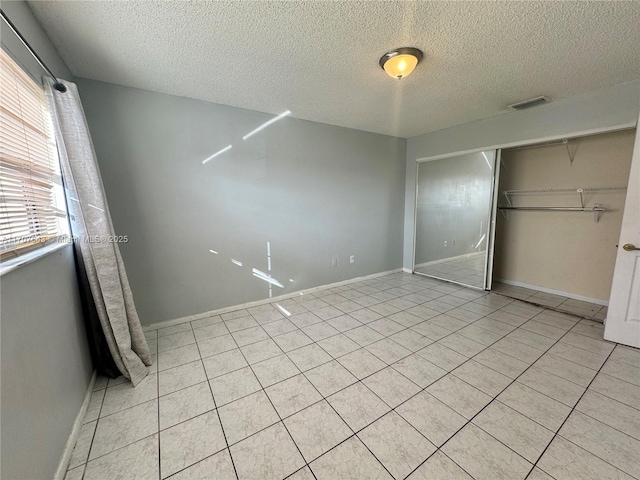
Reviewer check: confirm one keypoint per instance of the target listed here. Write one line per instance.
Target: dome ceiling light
(400, 62)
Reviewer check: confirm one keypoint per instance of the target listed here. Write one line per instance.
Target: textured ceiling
(320, 59)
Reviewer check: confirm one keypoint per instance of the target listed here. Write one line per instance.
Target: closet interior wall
(566, 252)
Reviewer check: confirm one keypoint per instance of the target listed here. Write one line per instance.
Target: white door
(623, 317)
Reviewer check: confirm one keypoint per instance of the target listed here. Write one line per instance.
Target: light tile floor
(397, 377)
(470, 271)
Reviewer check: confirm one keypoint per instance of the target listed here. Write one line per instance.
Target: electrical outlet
(445, 243)
(352, 259)
(334, 262)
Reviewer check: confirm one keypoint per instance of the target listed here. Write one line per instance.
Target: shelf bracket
(505, 213)
(571, 155)
(596, 212)
(580, 190)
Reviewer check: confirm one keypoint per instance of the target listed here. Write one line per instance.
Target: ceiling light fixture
(400, 62)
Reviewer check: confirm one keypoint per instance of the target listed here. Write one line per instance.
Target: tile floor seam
(356, 436)
(542, 393)
(311, 311)
(118, 449)
(274, 408)
(586, 336)
(486, 307)
(613, 399)
(618, 379)
(511, 408)
(195, 463)
(557, 432)
(299, 470)
(590, 453)
(158, 400)
(393, 409)
(93, 437)
(326, 399)
(444, 453)
(524, 414)
(310, 405)
(496, 398)
(215, 404)
(323, 397)
(564, 360)
(380, 461)
(189, 466)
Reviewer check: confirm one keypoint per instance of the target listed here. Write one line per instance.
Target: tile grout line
(557, 433)
(325, 399)
(392, 409)
(158, 397)
(615, 399)
(93, 437)
(532, 364)
(263, 389)
(215, 404)
(387, 365)
(384, 337)
(336, 358)
(199, 415)
(494, 398)
(242, 397)
(345, 313)
(158, 400)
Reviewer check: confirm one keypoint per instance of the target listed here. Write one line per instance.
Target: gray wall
(46, 367)
(45, 364)
(608, 108)
(314, 191)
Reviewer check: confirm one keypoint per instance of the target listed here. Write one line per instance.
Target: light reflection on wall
(266, 277)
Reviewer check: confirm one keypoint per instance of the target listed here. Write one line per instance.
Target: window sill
(15, 263)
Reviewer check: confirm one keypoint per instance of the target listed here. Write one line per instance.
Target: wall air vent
(532, 102)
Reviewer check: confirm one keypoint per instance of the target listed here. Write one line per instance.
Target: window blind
(32, 208)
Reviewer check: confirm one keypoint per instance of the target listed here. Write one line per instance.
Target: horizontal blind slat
(29, 167)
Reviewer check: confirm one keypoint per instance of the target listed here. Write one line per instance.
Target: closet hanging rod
(559, 209)
(57, 84)
(563, 190)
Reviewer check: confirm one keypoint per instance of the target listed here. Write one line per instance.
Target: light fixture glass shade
(401, 62)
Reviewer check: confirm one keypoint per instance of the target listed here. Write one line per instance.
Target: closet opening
(559, 212)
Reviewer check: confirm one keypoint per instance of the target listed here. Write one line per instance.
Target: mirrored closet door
(454, 213)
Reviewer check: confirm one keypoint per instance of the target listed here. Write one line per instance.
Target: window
(32, 206)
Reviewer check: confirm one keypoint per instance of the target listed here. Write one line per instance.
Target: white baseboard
(407, 270)
(220, 311)
(75, 432)
(575, 296)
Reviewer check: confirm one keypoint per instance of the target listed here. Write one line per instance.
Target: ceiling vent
(532, 102)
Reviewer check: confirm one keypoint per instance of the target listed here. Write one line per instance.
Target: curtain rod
(57, 85)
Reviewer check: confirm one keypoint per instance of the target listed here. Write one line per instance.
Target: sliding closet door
(454, 204)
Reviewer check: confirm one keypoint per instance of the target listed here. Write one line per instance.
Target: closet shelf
(596, 209)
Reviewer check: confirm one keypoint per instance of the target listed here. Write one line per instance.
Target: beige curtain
(91, 225)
